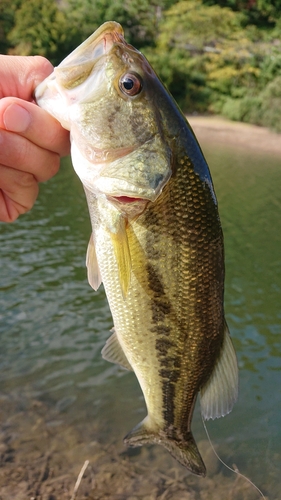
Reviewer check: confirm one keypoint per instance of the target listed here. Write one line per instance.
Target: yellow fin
(122, 254)
(94, 276)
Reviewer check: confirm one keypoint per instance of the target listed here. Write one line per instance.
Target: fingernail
(16, 118)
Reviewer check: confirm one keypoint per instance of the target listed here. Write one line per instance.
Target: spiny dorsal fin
(114, 353)
(221, 390)
(94, 276)
(122, 254)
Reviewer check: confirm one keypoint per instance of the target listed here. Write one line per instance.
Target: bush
(271, 105)
(263, 109)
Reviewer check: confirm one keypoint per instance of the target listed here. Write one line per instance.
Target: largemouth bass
(157, 243)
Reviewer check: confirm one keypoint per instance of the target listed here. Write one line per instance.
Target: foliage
(7, 16)
(212, 63)
(262, 13)
(261, 109)
(215, 56)
(40, 28)
(139, 18)
(202, 48)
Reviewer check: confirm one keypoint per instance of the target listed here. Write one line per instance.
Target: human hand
(31, 141)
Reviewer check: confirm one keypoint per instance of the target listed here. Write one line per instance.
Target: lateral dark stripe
(154, 281)
(170, 365)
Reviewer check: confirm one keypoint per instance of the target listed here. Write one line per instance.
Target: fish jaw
(49, 97)
(69, 80)
(112, 180)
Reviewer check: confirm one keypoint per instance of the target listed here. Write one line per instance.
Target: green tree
(7, 19)
(201, 53)
(41, 28)
(211, 62)
(53, 29)
(139, 18)
(262, 13)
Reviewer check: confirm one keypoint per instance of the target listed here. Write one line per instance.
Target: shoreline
(216, 129)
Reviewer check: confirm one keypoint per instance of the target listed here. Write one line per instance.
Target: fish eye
(130, 84)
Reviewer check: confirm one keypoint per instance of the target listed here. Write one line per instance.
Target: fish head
(105, 93)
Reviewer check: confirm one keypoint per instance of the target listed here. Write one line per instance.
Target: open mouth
(127, 199)
(129, 205)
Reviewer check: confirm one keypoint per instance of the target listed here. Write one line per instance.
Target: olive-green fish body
(157, 243)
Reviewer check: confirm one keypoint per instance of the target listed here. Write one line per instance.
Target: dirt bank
(41, 457)
(241, 135)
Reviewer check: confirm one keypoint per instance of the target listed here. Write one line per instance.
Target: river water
(61, 403)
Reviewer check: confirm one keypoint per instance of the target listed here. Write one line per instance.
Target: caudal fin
(184, 450)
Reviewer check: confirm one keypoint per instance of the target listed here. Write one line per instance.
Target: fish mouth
(74, 70)
(103, 38)
(91, 50)
(127, 199)
(128, 205)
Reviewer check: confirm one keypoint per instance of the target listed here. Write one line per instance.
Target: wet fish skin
(159, 256)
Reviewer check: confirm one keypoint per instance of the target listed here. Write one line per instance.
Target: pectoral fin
(221, 390)
(94, 276)
(122, 254)
(114, 353)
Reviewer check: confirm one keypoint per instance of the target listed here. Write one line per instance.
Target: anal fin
(114, 353)
(221, 390)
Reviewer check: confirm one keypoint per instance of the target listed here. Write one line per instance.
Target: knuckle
(43, 64)
(21, 152)
(39, 69)
(25, 179)
(54, 165)
(48, 167)
(33, 163)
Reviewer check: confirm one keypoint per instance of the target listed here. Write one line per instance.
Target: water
(53, 326)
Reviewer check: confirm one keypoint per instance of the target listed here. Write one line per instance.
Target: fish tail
(184, 450)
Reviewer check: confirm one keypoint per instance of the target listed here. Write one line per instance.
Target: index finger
(20, 75)
(35, 124)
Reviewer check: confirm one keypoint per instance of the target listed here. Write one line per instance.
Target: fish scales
(171, 297)
(157, 242)
(184, 285)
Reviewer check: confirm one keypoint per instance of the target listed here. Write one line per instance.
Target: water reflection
(53, 325)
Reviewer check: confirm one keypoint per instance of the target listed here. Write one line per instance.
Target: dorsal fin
(221, 390)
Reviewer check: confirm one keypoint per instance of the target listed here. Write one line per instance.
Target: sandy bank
(242, 135)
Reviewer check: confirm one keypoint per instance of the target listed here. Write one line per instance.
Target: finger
(20, 75)
(18, 192)
(35, 124)
(19, 153)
